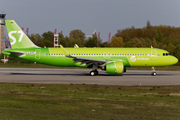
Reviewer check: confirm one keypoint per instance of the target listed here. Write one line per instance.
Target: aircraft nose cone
(175, 60)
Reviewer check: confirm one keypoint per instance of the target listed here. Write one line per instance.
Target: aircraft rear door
(37, 56)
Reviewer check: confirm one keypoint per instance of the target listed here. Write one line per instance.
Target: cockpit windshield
(166, 54)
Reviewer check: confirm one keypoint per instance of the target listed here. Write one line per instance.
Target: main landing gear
(153, 72)
(94, 71)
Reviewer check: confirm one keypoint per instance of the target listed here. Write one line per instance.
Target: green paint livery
(113, 60)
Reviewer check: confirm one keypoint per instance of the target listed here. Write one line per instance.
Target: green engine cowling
(115, 67)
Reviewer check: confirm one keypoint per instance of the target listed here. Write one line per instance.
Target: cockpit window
(166, 54)
(169, 54)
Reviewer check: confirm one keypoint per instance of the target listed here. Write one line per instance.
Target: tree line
(162, 36)
(76, 37)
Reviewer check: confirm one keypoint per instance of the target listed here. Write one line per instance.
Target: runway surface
(81, 76)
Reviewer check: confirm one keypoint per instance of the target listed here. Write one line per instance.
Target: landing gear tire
(153, 73)
(93, 73)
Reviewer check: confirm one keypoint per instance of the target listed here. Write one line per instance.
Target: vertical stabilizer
(18, 38)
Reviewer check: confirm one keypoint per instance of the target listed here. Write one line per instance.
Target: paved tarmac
(81, 76)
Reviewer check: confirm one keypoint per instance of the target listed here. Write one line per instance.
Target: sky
(106, 16)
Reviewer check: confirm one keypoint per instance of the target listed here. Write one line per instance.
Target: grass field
(88, 102)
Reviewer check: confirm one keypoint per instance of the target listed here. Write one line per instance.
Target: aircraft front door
(153, 55)
(37, 56)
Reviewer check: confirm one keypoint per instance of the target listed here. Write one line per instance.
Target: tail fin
(18, 38)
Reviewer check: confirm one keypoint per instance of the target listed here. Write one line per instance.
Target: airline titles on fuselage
(133, 58)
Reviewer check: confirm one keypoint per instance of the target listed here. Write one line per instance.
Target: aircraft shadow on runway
(49, 74)
(86, 74)
(147, 75)
(82, 74)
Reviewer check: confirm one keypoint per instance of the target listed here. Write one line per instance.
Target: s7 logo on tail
(13, 38)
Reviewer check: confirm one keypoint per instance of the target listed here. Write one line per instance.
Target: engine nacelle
(115, 67)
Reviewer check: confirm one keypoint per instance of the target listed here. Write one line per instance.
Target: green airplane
(112, 60)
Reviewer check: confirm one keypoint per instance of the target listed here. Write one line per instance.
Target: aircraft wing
(86, 61)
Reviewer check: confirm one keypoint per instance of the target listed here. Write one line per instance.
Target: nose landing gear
(153, 73)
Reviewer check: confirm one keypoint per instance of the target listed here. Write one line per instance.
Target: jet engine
(114, 67)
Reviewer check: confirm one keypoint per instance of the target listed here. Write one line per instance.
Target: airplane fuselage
(129, 56)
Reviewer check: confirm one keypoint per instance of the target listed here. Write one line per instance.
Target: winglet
(64, 51)
(76, 46)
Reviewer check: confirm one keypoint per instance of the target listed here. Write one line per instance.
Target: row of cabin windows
(107, 54)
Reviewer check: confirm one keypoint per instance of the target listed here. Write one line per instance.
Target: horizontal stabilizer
(20, 54)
